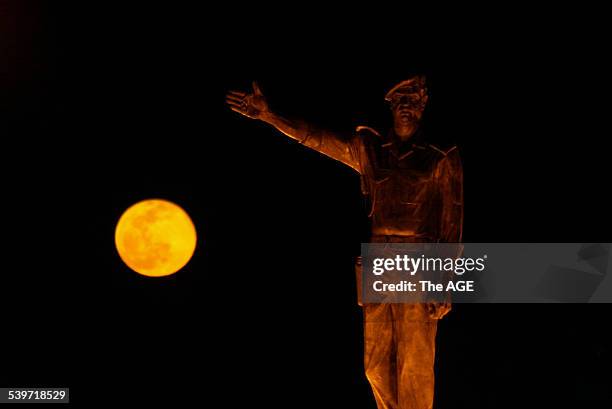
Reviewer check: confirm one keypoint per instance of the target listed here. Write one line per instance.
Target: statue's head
(407, 100)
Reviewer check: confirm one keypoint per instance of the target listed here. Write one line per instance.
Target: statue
(415, 191)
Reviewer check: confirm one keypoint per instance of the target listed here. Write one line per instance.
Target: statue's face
(407, 108)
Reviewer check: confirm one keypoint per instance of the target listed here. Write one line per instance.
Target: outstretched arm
(254, 105)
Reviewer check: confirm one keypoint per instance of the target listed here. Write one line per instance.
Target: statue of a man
(416, 195)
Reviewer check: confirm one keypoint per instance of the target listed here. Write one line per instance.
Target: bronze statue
(416, 194)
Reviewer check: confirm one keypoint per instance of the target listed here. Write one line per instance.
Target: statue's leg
(379, 354)
(416, 348)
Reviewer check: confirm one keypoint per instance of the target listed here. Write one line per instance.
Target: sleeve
(450, 184)
(339, 147)
(449, 174)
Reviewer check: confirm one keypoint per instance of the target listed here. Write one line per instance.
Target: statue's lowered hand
(437, 310)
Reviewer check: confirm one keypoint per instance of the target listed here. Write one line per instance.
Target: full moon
(155, 237)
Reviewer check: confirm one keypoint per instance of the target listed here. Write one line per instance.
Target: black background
(104, 105)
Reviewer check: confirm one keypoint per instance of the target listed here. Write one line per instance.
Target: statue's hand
(252, 105)
(437, 310)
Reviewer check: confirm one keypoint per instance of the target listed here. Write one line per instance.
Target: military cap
(410, 86)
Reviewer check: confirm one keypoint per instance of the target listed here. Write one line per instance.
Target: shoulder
(368, 138)
(442, 152)
(446, 160)
(367, 132)
(440, 158)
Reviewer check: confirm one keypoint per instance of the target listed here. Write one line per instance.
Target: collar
(394, 143)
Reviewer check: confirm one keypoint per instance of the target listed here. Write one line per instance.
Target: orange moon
(155, 237)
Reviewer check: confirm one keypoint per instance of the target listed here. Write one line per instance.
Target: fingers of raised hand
(235, 100)
(239, 94)
(231, 97)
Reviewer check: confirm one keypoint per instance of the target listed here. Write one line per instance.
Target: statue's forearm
(294, 129)
(328, 143)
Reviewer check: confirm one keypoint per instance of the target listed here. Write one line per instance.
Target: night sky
(106, 105)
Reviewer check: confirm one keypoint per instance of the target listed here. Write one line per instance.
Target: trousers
(399, 355)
